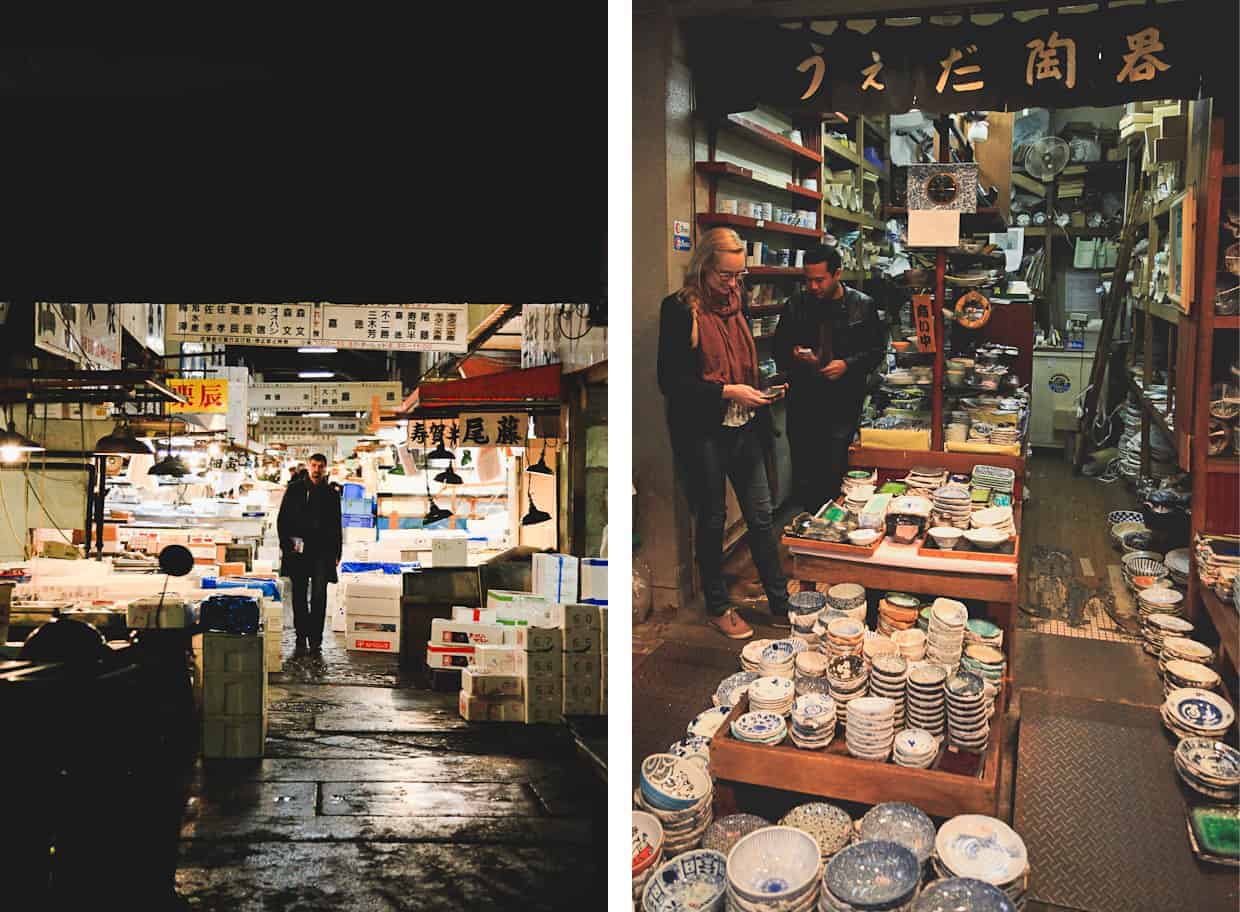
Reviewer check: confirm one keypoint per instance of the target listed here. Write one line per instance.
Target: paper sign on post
(933, 228)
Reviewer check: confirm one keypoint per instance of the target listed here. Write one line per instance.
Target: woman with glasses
(720, 420)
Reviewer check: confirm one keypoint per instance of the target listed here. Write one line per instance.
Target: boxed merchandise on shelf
(478, 683)
(575, 616)
(555, 576)
(537, 639)
(517, 603)
(543, 690)
(373, 607)
(476, 615)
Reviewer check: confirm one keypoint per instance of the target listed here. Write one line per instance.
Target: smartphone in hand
(775, 392)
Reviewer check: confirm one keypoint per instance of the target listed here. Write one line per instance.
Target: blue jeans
(736, 455)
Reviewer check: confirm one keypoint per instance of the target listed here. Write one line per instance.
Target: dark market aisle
(375, 795)
(1077, 662)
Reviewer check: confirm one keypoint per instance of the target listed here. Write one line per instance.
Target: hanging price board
(923, 320)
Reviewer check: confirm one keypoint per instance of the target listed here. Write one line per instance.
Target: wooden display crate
(1007, 553)
(825, 547)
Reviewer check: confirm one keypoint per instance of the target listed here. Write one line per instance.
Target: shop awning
(535, 388)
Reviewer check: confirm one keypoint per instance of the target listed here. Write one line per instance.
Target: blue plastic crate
(352, 490)
(357, 522)
(357, 506)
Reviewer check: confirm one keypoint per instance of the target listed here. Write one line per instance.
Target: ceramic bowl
(708, 722)
(873, 875)
(692, 747)
(985, 848)
(777, 863)
(1136, 540)
(1212, 760)
(673, 783)
(1184, 648)
(1128, 516)
(912, 639)
(830, 825)
(863, 537)
(1120, 529)
(901, 823)
(693, 880)
(725, 832)
(986, 538)
(955, 893)
(1191, 674)
(647, 840)
(946, 537)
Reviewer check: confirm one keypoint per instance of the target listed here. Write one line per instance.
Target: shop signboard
(57, 330)
(145, 322)
(1099, 58)
(470, 430)
(101, 335)
(923, 321)
(396, 327)
(540, 335)
(279, 427)
(202, 396)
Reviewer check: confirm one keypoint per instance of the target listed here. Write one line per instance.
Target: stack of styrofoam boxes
(540, 666)
(357, 514)
(555, 576)
(372, 613)
(452, 642)
(583, 658)
(491, 690)
(234, 681)
(273, 632)
(594, 592)
(514, 609)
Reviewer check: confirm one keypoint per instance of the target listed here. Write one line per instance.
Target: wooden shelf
(771, 139)
(857, 218)
(1043, 231)
(735, 172)
(1227, 465)
(1160, 311)
(868, 165)
(708, 219)
(1225, 619)
(832, 147)
(1232, 322)
(895, 211)
(775, 271)
(1156, 414)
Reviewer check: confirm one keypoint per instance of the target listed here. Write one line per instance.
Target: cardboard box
(480, 709)
(234, 694)
(234, 737)
(537, 639)
(593, 578)
(449, 552)
(582, 667)
(581, 699)
(472, 615)
(555, 576)
(479, 684)
(509, 603)
(496, 659)
(543, 690)
(602, 628)
(575, 616)
(448, 656)
(582, 640)
(540, 664)
(233, 652)
(369, 633)
(543, 714)
(372, 607)
(445, 633)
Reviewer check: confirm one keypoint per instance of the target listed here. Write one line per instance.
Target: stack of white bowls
(983, 848)
(1159, 600)
(987, 633)
(848, 677)
(997, 518)
(1210, 767)
(1155, 628)
(1184, 649)
(951, 507)
(845, 636)
(871, 728)
(813, 722)
(968, 712)
(772, 694)
(775, 869)
(778, 659)
(915, 747)
(911, 643)
(751, 655)
(857, 496)
(925, 703)
(945, 639)
(811, 674)
(849, 598)
(876, 645)
(647, 849)
(889, 678)
(1180, 673)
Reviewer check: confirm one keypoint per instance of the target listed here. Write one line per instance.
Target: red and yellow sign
(923, 320)
(201, 395)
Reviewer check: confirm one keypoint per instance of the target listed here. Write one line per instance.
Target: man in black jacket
(828, 340)
(310, 543)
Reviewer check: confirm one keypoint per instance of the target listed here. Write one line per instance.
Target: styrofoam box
(472, 615)
(147, 612)
(579, 667)
(582, 640)
(445, 632)
(478, 684)
(373, 607)
(540, 664)
(232, 694)
(490, 659)
(234, 737)
(537, 639)
(581, 706)
(498, 598)
(593, 578)
(374, 586)
(448, 656)
(368, 633)
(555, 576)
(450, 552)
(574, 616)
(353, 535)
(233, 652)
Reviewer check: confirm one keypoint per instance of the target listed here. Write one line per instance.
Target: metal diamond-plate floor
(1125, 846)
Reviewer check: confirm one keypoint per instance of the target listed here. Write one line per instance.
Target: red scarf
(725, 344)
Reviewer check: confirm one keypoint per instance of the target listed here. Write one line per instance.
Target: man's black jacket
(310, 512)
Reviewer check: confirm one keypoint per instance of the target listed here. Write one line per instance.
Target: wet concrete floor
(375, 795)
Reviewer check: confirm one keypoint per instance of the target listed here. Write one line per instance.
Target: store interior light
(448, 476)
(14, 445)
(435, 514)
(170, 465)
(122, 442)
(438, 456)
(316, 350)
(316, 375)
(535, 516)
(541, 467)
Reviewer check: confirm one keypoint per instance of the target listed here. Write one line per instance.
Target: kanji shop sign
(923, 321)
(489, 429)
(209, 396)
(397, 327)
(1053, 61)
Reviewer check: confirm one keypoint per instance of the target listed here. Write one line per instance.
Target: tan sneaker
(732, 625)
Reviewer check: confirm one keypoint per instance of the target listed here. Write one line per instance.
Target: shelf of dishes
(1157, 415)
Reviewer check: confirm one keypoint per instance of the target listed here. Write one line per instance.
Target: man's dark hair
(821, 253)
(319, 457)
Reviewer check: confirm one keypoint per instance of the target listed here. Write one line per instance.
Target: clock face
(942, 188)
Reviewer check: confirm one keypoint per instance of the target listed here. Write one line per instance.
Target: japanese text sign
(923, 321)
(209, 396)
(469, 430)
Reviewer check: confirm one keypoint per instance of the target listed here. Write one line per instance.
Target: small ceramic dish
(773, 865)
(946, 537)
(986, 538)
(863, 537)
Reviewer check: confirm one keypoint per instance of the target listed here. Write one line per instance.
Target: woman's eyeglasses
(730, 276)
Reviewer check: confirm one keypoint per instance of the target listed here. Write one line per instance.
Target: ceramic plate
(758, 724)
(1168, 623)
(964, 684)
(973, 845)
(1209, 758)
(708, 722)
(771, 689)
(1189, 649)
(1200, 709)
(694, 880)
(752, 651)
(873, 874)
(1194, 674)
(813, 706)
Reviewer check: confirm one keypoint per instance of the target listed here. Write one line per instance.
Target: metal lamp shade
(448, 476)
(122, 442)
(435, 514)
(535, 516)
(439, 455)
(12, 441)
(541, 467)
(170, 465)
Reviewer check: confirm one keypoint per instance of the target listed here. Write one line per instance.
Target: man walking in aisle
(310, 543)
(828, 340)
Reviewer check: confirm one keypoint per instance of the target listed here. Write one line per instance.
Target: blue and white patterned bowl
(692, 747)
(778, 652)
(733, 687)
(974, 845)
(691, 881)
(1200, 710)
(902, 824)
(773, 864)
(673, 783)
(707, 722)
(1212, 760)
(873, 875)
(955, 893)
(756, 726)
(1120, 516)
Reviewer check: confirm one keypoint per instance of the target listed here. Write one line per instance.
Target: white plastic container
(366, 633)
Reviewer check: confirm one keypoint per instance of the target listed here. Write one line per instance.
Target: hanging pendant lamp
(541, 467)
(14, 445)
(170, 464)
(434, 512)
(535, 516)
(122, 442)
(448, 476)
(439, 455)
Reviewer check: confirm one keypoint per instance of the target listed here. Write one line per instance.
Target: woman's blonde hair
(714, 241)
